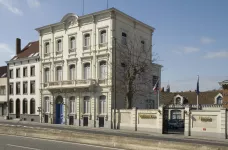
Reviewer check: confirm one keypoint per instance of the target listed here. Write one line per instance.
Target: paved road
(24, 143)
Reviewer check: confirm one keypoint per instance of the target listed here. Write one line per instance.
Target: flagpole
(158, 98)
(197, 102)
(197, 98)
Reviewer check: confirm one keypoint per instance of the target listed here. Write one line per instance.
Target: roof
(3, 71)
(190, 97)
(28, 50)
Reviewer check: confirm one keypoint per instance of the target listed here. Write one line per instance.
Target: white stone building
(3, 91)
(76, 66)
(23, 79)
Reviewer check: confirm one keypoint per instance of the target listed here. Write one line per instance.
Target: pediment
(70, 19)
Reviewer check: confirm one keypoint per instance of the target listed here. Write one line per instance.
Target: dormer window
(178, 101)
(219, 100)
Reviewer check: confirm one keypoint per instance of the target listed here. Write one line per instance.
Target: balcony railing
(86, 47)
(101, 45)
(72, 50)
(70, 83)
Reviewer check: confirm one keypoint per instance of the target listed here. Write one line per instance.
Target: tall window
(124, 38)
(47, 48)
(32, 71)
(18, 88)
(18, 72)
(86, 40)
(178, 101)
(86, 104)
(32, 87)
(11, 73)
(25, 87)
(72, 72)
(11, 88)
(46, 104)
(2, 90)
(87, 71)
(25, 72)
(59, 45)
(102, 104)
(103, 36)
(46, 75)
(219, 100)
(32, 106)
(142, 45)
(72, 43)
(59, 73)
(25, 106)
(103, 69)
(11, 106)
(72, 104)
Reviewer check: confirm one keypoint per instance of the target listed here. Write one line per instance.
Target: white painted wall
(3, 82)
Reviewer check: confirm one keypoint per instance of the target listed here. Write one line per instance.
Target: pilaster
(187, 121)
(223, 127)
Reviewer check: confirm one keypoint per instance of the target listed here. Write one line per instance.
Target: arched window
(102, 104)
(46, 48)
(87, 71)
(178, 101)
(219, 100)
(72, 43)
(87, 40)
(124, 38)
(59, 73)
(72, 105)
(11, 106)
(46, 75)
(86, 104)
(46, 104)
(103, 37)
(59, 45)
(25, 106)
(72, 72)
(103, 69)
(32, 106)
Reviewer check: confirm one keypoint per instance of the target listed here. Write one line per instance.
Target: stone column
(77, 110)
(187, 121)
(223, 127)
(133, 118)
(92, 105)
(160, 119)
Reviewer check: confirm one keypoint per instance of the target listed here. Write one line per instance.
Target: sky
(190, 37)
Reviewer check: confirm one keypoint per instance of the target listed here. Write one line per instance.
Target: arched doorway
(18, 106)
(59, 110)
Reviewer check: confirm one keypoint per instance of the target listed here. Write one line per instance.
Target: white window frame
(86, 104)
(102, 67)
(103, 37)
(46, 76)
(72, 107)
(86, 71)
(59, 77)
(72, 75)
(102, 104)
(59, 47)
(46, 104)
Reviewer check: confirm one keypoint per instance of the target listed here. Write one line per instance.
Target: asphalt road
(25, 143)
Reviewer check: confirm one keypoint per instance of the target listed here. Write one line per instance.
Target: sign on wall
(204, 121)
(148, 116)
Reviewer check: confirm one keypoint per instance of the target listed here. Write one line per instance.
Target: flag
(197, 86)
(156, 86)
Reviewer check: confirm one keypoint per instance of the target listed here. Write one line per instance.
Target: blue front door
(59, 114)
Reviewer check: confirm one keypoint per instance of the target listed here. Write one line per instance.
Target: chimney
(18, 46)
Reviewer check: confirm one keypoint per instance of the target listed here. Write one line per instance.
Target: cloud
(185, 50)
(33, 3)
(10, 6)
(206, 40)
(4, 48)
(221, 54)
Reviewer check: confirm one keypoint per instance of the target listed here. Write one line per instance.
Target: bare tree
(134, 69)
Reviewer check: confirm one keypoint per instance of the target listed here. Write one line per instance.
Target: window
(103, 37)
(155, 79)
(59, 73)
(46, 104)
(102, 104)
(142, 45)
(87, 71)
(86, 40)
(72, 43)
(72, 104)
(219, 100)
(18, 72)
(11, 106)
(25, 72)
(2, 90)
(18, 88)
(32, 87)
(32, 71)
(32, 106)
(11, 73)
(59, 45)
(46, 75)
(25, 87)
(86, 104)
(103, 69)
(46, 49)
(25, 106)
(11, 88)
(124, 38)
(175, 114)
(178, 101)
(72, 72)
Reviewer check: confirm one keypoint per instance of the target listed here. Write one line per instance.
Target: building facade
(3, 91)
(77, 73)
(23, 81)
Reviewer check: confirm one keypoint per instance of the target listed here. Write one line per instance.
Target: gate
(173, 119)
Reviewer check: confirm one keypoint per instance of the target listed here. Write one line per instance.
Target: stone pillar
(223, 127)
(187, 121)
(92, 113)
(160, 119)
(78, 117)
